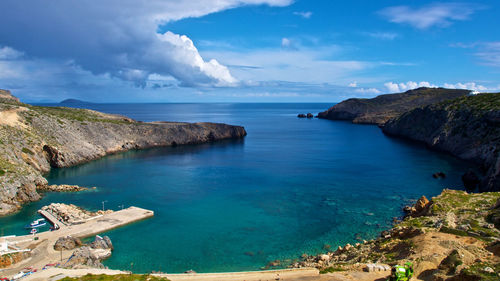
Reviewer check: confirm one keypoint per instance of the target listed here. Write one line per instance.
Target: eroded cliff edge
(380, 109)
(34, 139)
(467, 127)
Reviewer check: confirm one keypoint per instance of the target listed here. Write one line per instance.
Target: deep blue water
(290, 187)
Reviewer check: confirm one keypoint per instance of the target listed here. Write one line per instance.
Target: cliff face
(384, 107)
(34, 139)
(467, 127)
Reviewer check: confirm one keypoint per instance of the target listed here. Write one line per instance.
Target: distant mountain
(384, 107)
(73, 102)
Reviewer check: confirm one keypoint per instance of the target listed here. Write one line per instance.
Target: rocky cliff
(467, 127)
(34, 139)
(384, 107)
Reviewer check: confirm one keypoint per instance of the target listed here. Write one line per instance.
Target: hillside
(467, 127)
(455, 236)
(34, 139)
(384, 107)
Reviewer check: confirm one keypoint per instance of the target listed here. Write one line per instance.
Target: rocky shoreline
(467, 127)
(455, 236)
(453, 121)
(34, 139)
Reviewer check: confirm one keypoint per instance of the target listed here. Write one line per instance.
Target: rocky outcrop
(34, 139)
(71, 214)
(62, 188)
(6, 96)
(384, 107)
(467, 127)
(67, 243)
(453, 239)
(420, 208)
(91, 255)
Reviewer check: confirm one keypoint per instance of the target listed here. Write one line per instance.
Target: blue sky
(245, 50)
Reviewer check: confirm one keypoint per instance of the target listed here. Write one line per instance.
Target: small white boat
(36, 223)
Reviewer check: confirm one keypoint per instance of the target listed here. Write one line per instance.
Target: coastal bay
(284, 190)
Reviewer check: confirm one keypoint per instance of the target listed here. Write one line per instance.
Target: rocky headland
(467, 127)
(34, 139)
(380, 109)
(455, 236)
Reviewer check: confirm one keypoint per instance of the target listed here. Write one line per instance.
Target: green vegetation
(2, 172)
(477, 272)
(331, 269)
(119, 277)
(27, 151)
(477, 102)
(75, 114)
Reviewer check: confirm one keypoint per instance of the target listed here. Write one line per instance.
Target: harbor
(40, 246)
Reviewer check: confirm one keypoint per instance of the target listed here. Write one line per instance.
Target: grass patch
(453, 231)
(119, 277)
(74, 114)
(331, 269)
(476, 272)
(2, 172)
(27, 151)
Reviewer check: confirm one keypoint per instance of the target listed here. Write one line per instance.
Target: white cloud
(122, 42)
(7, 53)
(372, 91)
(306, 65)
(437, 14)
(353, 85)
(466, 86)
(285, 42)
(305, 15)
(489, 53)
(410, 85)
(383, 35)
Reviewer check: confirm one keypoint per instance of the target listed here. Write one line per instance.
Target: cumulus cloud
(401, 87)
(372, 91)
(410, 85)
(116, 37)
(7, 53)
(305, 15)
(437, 14)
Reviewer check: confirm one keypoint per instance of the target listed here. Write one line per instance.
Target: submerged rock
(470, 180)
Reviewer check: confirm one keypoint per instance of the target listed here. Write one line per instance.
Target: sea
(292, 186)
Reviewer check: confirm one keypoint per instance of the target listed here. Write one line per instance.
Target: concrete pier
(42, 244)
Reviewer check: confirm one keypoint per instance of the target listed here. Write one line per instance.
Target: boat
(36, 223)
(33, 231)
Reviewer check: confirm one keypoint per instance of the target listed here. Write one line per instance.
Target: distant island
(75, 102)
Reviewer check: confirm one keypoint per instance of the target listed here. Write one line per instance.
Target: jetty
(41, 244)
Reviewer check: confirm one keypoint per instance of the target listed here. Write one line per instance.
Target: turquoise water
(290, 187)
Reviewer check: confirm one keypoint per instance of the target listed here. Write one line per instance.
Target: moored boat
(36, 223)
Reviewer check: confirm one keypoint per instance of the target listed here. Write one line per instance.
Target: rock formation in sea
(467, 127)
(384, 107)
(34, 139)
